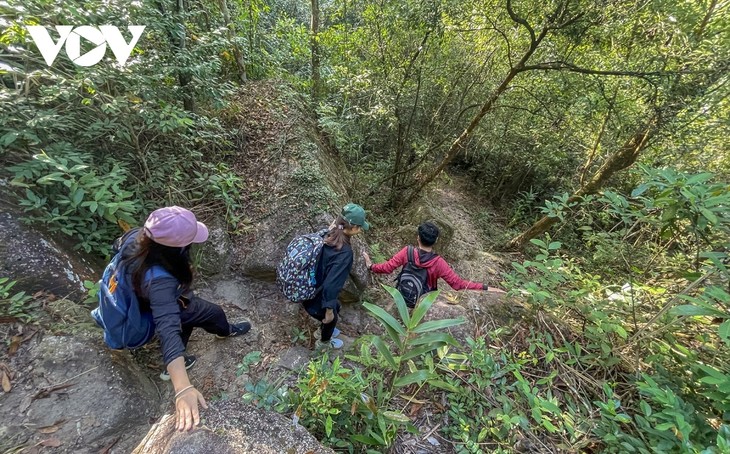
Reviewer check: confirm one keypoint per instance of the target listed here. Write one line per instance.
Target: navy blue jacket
(333, 269)
(160, 296)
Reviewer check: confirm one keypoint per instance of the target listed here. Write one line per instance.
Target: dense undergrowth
(633, 359)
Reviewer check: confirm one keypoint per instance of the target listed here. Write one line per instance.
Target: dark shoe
(189, 362)
(237, 329)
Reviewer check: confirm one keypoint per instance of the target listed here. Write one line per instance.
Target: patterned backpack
(296, 274)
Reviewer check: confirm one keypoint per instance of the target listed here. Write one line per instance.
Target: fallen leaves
(6, 383)
(53, 427)
(50, 442)
(5, 377)
(14, 344)
(45, 392)
(18, 339)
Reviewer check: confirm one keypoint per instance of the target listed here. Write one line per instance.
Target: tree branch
(520, 20)
(565, 66)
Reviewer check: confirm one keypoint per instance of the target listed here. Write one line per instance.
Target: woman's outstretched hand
(368, 262)
(186, 405)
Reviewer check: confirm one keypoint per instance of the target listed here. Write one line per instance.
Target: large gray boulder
(296, 183)
(40, 261)
(75, 394)
(231, 427)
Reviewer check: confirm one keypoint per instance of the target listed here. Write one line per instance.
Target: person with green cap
(333, 268)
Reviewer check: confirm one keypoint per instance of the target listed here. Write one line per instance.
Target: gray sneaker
(333, 343)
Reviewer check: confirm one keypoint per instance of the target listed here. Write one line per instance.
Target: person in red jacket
(435, 265)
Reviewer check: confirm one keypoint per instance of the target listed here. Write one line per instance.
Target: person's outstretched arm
(166, 314)
(445, 272)
(398, 260)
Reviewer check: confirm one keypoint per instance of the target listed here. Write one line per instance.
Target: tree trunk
(679, 93)
(460, 143)
(184, 78)
(622, 159)
(237, 53)
(314, 43)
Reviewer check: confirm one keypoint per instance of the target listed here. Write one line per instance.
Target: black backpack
(412, 282)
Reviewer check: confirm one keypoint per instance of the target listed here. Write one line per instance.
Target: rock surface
(296, 183)
(215, 254)
(38, 261)
(76, 393)
(232, 427)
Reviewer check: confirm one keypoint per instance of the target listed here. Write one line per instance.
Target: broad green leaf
(78, 196)
(443, 385)
(50, 178)
(400, 304)
(328, 425)
(724, 331)
(665, 426)
(692, 310)
(438, 324)
(394, 328)
(712, 380)
(418, 351)
(365, 440)
(700, 178)
(422, 308)
(709, 215)
(8, 138)
(551, 407)
(418, 376)
(549, 426)
(709, 370)
(396, 416)
(639, 190)
(719, 294)
(385, 351)
(437, 339)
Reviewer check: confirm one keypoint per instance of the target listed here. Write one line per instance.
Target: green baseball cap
(355, 215)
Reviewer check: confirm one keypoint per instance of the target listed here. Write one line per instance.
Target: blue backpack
(296, 275)
(118, 314)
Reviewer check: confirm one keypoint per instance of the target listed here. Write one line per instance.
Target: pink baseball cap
(175, 226)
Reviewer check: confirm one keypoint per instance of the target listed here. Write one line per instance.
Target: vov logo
(71, 36)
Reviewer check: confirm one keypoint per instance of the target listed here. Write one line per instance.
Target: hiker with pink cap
(164, 242)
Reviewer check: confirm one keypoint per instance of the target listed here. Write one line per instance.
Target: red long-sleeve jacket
(435, 265)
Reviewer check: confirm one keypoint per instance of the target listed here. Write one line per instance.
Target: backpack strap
(411, 259)
(126, 239)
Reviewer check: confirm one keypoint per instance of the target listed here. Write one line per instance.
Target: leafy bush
(15, 304)
(65, 193)
(358, 406)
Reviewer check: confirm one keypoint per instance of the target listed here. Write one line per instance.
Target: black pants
(315, 309)
(199, 313)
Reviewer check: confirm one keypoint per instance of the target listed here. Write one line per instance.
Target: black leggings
(315, 309)
(200, 313)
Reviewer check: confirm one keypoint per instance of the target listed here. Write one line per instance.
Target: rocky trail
(64, 391)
